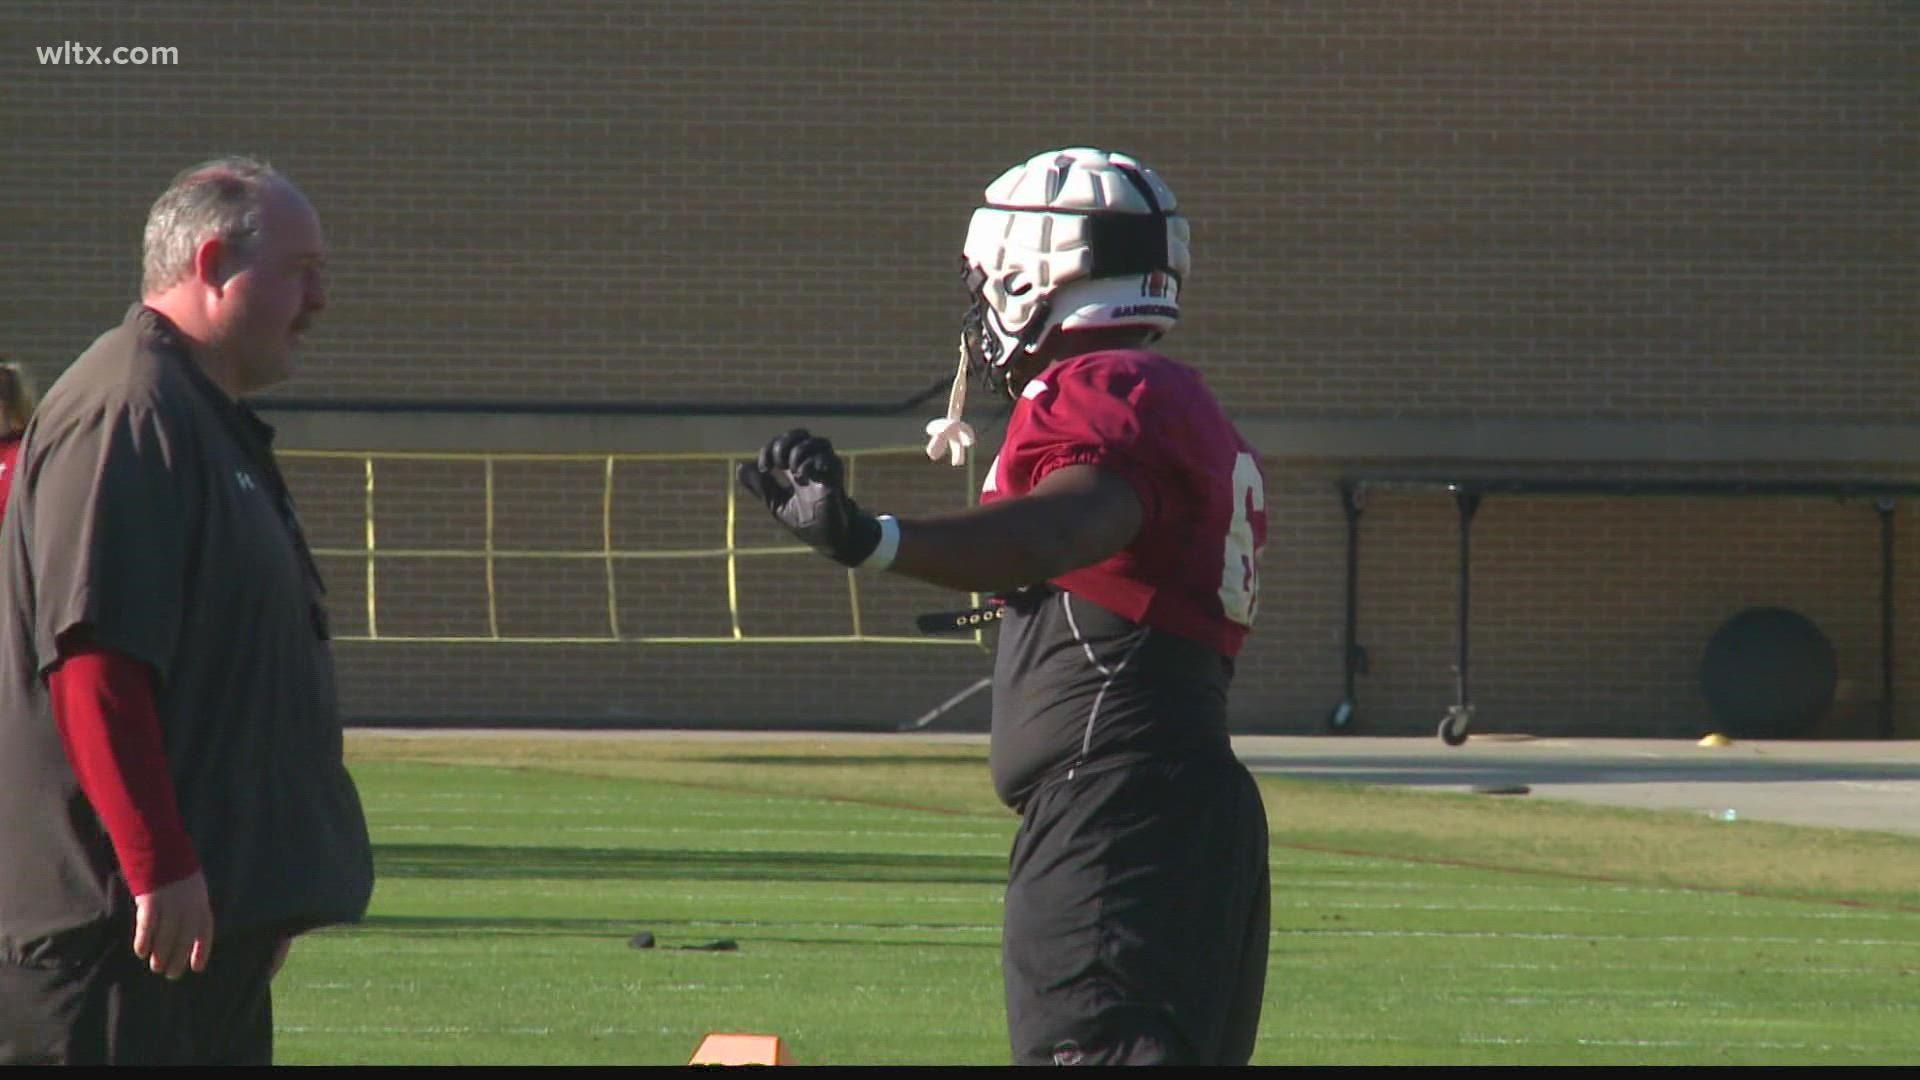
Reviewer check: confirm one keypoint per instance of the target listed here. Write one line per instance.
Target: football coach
(174, 806)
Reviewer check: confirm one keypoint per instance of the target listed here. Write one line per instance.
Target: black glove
(813, 505)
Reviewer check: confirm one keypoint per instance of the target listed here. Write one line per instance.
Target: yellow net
(326, 477)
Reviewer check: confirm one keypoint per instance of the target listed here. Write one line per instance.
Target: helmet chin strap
(950, 436)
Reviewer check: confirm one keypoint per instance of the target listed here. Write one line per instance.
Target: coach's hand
(173, 927)
(803, 482)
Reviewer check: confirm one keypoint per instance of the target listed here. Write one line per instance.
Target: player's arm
(1075, 516)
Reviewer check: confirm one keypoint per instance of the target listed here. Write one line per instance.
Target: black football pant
(1137, 917)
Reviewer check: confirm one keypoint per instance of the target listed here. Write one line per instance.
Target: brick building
(1467, 238)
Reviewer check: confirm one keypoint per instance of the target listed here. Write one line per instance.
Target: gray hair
(219, 198)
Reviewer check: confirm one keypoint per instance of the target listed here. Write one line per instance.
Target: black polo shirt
(148, 508)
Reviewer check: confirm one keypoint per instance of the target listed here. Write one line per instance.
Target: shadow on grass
(843, 760)
(671, 935)
(469, 862)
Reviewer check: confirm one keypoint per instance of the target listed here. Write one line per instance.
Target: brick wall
(1651, 212)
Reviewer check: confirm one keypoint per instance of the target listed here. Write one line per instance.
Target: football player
(1121, 524)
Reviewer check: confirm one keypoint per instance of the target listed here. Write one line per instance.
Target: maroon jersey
(1131, 658)
(1194, 568)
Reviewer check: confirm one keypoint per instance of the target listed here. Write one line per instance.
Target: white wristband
(887, 548)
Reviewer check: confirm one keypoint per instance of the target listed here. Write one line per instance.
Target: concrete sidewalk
(1851, 785)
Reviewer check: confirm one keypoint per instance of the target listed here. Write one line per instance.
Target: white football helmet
(1073, 239)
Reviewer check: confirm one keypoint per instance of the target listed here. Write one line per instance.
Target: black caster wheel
(1453, 727)
(1341, 718)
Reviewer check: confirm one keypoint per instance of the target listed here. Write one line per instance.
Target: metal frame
(1468, 492)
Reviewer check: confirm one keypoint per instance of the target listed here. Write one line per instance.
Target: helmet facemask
(991, 349)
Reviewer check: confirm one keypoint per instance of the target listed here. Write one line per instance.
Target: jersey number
(1240, 569)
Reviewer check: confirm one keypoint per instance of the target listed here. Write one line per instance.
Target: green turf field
(860, 881)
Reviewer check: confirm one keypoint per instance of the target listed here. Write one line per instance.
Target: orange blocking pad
(721, 1048)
